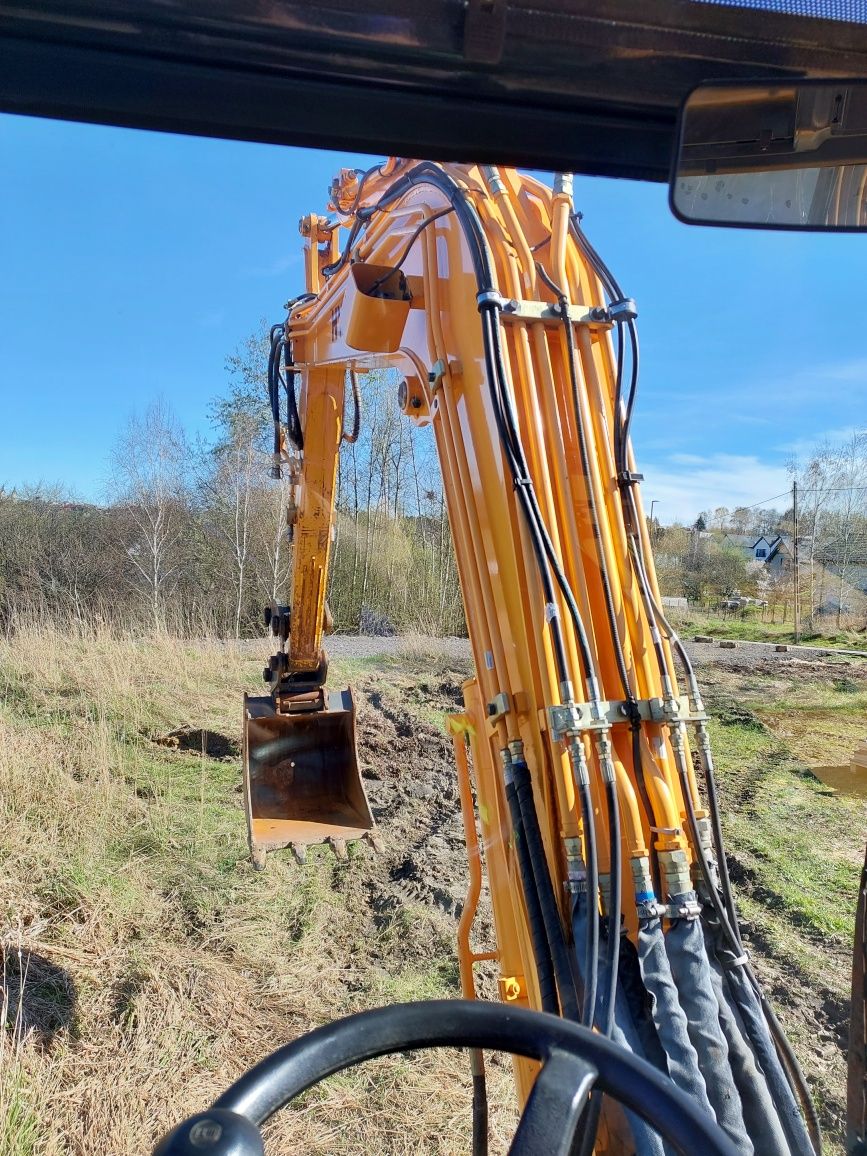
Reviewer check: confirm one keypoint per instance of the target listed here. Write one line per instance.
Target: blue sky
(134, 263)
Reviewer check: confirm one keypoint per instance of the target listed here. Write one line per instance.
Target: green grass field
(750, 628)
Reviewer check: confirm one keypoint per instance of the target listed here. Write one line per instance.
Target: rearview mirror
(776, 155)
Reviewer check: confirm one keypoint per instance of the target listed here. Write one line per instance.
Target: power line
(808, 490)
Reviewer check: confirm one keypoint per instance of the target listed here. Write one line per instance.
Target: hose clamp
(649, 909)
(623, 310)
(690, 909)
(490, 297)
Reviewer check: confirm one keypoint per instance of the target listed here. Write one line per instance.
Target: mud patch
(407, 763)
(210, 743)
(735, 715)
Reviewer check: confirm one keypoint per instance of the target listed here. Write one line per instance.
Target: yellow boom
(515, 343)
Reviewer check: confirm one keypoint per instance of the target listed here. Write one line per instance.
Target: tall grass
(146, 964)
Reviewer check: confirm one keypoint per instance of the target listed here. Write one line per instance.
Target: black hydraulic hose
(527, 495)
(357, 225)
(705, 754)
(480, 1103)
(428, 173)
(602, 271)
(352, 438)
(280, 340)
(507, 428)
(590, 1126)
(535, 922)
(633, 387)
(545, 891)
(592, 509)
(534, 514)
(591, 978)
(293, 418)
(612, 956)
(362, 180)
(791, 1067)
(616, 882)
(276, 337)
(621, 442)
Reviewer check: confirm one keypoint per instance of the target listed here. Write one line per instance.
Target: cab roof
(593, 87)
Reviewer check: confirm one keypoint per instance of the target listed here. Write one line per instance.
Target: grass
(750, 628)
(146, 965)
(795, 847)
(803, 844)
(153, 965)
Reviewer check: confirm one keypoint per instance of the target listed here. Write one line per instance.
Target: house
(780, 553)
(774, 552)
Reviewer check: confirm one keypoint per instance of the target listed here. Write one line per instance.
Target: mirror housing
(773, 154)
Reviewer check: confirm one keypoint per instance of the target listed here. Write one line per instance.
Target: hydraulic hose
(591, 969)
(535, 921)
(276, 336)
(614, 902)
(545, 891)
(352, 438)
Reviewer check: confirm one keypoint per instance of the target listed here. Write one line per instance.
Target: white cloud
(683, 485)
(803, 447)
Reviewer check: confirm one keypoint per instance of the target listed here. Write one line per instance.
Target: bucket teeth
(299, 850)
(338, 846)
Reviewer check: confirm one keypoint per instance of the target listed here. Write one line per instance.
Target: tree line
(191, 537)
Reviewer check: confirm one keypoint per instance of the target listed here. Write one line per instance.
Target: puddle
(849, 779)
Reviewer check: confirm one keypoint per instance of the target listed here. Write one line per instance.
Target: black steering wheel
(574, 1061)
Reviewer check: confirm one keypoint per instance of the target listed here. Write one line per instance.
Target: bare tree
(150, 481)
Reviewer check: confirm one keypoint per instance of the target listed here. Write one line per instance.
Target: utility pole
(795, 573)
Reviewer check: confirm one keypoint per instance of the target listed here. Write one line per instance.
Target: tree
(720, 518)
(150, 482)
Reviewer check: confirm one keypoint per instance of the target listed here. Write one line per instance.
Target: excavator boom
(583, 733)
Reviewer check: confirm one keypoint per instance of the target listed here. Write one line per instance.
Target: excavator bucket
(301, 778)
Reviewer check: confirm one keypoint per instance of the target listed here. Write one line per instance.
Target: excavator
(586, 773)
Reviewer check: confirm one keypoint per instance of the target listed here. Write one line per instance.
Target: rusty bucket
(301, 779)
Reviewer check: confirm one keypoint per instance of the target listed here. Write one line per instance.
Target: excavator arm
(584, 723)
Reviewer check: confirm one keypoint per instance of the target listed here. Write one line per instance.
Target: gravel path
(701, 653)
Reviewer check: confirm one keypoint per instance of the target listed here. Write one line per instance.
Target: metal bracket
(485, 31)
(498, 706)
(573, 717)
(593, 316)
(437, 373)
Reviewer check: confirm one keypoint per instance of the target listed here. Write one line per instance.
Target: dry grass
(145, 965)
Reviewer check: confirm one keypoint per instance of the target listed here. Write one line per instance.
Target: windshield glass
(157, 294)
